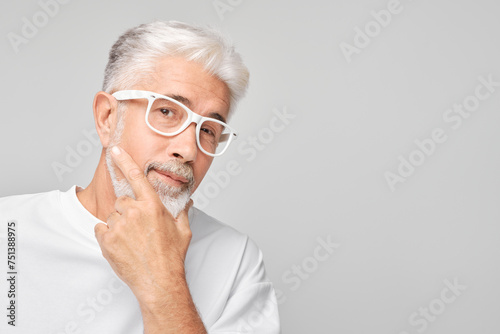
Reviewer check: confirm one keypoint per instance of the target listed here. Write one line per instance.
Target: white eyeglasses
(168, 117)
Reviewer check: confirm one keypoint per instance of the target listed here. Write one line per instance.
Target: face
(175, 166)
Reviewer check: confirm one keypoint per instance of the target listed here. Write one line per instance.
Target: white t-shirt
(61, 283)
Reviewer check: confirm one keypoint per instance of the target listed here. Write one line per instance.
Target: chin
(174, 199)
(176, 205)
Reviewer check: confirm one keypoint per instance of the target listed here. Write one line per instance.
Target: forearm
(171, 310)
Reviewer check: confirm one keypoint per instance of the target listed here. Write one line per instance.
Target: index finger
(135, 176)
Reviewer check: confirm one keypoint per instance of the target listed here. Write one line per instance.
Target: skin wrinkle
(173, 199)
(153, 266)
(213, 90)
(185, 101)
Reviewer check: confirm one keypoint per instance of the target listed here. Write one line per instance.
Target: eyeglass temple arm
(131, 94)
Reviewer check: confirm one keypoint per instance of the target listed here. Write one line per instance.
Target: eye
(166, 112)
(208, 131)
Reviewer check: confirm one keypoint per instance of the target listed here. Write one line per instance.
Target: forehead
(176, 76)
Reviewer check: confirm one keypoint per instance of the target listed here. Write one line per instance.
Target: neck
(99, 197)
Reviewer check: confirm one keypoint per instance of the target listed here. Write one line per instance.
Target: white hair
(135, 53)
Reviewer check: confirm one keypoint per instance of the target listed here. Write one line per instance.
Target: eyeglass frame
(193, 117)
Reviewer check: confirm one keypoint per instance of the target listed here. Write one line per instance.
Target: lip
(177, 179)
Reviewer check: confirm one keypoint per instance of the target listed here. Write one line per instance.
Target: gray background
(323, 174)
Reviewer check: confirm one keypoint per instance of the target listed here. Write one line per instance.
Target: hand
(144, 244)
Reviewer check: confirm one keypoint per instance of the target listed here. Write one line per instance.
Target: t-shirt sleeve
(252, 306)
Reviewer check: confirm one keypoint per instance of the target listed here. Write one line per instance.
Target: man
(129, 253)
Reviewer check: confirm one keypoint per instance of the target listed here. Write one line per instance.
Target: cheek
(139, 144)
(200, 168)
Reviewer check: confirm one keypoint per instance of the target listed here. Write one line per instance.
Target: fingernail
(116, 150)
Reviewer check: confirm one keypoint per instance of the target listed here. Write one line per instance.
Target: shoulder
(207, 227)
(30, 198)
(224, 241)
(21, 203)
(226, 267)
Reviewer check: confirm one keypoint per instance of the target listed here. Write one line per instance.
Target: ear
(105, 116)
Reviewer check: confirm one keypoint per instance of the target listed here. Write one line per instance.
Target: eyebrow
(181, 99)
(217, 116)
(185, 101)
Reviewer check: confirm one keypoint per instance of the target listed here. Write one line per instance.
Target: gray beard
(174, 199)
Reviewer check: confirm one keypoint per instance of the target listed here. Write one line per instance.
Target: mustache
(175, 167)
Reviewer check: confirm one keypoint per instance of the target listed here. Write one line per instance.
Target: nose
(183, 146)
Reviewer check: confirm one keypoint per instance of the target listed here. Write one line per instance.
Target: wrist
(158, 294)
